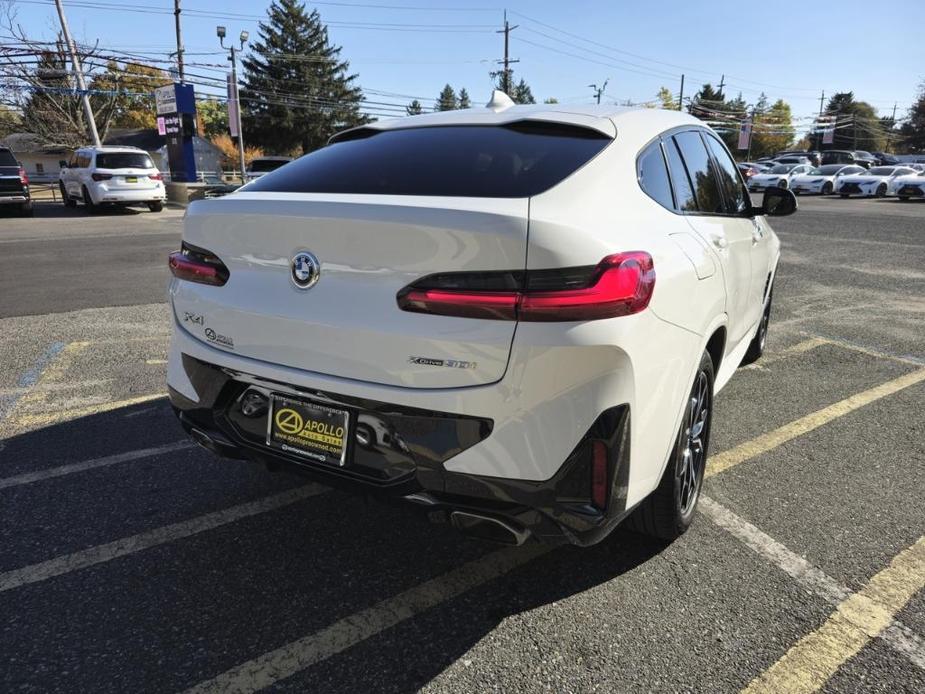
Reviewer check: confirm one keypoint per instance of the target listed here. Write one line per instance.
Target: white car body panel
(542, 384)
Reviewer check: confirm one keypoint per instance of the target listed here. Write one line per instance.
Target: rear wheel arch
(716, 346)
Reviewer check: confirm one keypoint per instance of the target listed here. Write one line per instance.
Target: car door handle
(720, 241)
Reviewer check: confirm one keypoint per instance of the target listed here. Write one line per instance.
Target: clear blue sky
(793, 51)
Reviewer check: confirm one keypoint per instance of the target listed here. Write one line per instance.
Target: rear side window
(7, 158)
(514, 161)
(680, 181)
(123, 160)
(701, 170)
(263, 165)
(653, 175)
(733, 189)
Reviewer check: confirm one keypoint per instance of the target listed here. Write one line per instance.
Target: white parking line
(897, 635)
(125, 546)
(61, 470)
(299, 655)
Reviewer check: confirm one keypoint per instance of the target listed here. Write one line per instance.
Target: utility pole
(599, 92)
(889, 135)
(820, 134)
(78, 73)
(681, 95)
(233, 97)
(506, 73)
(722, 83)
(176, 16)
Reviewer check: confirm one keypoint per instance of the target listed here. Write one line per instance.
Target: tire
(65, 198)
(827, 188)
(881, 190)
(667, 512)
(903, 198)
(783, 183)
(757, 345)
(26, 209)
(88, 201)
(843, 196)
(156, 206)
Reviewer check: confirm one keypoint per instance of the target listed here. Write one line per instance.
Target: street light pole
(220, 32)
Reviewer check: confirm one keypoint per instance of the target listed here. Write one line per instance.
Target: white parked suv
(112, 176)
(514, 317)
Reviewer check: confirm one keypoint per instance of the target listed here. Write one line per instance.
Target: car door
(739, 204)
(694, 176)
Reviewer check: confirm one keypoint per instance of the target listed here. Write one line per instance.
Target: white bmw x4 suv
(515, 317)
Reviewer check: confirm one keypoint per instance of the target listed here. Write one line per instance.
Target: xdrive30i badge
(305, 270)
(447, 363)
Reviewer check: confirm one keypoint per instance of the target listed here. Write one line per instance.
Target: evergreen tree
(856, 124)
(706, 101)
(521, 93)
(666, 100)
(447, 100)
(464, 100)
(913, 130)
(550, 100)
(297, 90)
(414, 108)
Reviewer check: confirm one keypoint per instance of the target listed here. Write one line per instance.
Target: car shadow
(253, 584)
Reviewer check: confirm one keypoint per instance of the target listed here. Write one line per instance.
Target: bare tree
(36, 81)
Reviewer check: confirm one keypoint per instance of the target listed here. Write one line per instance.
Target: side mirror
(62, 164)
(778, 202)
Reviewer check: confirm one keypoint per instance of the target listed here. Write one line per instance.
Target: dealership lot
(131, 560)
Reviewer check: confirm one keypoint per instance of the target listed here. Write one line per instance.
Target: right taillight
(620, 285)
(198, 265)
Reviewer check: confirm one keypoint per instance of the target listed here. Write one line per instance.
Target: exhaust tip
(488, 528)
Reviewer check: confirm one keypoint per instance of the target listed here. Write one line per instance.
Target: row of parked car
(797, 172)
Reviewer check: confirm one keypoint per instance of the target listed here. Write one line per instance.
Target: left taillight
(619, 285)
(198, 265)
(156, 177)
(23, 178)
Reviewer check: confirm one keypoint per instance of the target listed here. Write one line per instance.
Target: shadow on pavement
(186, 610)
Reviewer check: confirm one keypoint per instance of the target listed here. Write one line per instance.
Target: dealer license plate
(308, 429)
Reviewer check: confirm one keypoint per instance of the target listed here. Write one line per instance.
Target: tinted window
(829, 170)
(470, 161)
(261, 165)
(123, 160)
(683, 190)
(736, 198)
(653, 176)
(700, 167)
(7, 158)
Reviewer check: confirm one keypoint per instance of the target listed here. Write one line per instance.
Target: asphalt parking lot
(132, 561)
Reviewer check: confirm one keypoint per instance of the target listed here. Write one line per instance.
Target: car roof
(111, 148)
(604, 118)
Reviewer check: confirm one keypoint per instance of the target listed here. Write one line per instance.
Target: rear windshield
(828, 170)
(123, 160)
(7, 158)
(468, 161)
(263, 165)
(881, 171)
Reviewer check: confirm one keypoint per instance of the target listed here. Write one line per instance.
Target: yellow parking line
(773, 439)
(45, 418)
(809, 664)
(38, 393)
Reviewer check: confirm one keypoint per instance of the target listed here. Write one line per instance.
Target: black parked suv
(848, 156)
(14, 184)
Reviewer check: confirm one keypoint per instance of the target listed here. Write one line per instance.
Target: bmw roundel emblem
(306, 270)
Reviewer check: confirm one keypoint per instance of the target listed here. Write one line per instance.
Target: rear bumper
(404, 460)
(103, 195)
(14, 199)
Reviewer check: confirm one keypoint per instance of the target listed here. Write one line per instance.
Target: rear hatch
(349, 323)
(10, 183)
(127, 170)
(379, 209)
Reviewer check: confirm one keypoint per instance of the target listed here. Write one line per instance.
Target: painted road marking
(853, 346)
(897, 635)
(60, 471)
(28, 379)
(814, 420)
(126, 546)
(55, 366)
(45, 418)
(301, 654)
(798, 348)
(809, 664)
